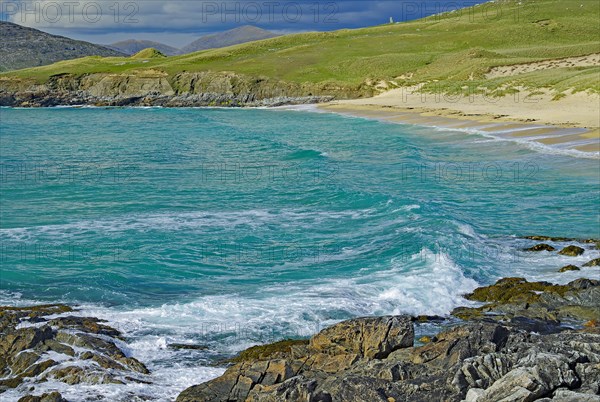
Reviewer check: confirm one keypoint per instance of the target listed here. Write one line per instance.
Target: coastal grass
(449, 52)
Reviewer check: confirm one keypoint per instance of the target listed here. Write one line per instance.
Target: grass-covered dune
(444, 52)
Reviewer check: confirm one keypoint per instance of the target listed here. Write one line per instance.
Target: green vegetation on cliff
(446, 52)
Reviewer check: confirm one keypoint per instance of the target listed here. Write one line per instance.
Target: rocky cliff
(157, 88)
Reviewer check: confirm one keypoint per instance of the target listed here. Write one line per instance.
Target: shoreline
(549, 125)
(72, 348)
(576, 140)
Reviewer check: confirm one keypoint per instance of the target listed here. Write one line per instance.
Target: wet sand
(561, 131)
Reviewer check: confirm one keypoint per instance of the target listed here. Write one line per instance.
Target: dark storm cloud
(113, 18)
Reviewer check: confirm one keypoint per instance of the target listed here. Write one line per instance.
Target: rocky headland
(520, 341)
(157, 88)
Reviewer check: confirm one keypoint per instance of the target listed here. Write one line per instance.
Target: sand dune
(515, 69)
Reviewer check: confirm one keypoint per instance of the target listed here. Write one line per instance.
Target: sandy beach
(570, 123)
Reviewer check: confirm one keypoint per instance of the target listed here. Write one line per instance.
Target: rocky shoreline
(530, 341)
(525, 341)
(50, 343)
(156, 88)
(521, 352)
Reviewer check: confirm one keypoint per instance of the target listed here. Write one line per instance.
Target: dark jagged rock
(85, 324)
(540, 326)
(485, 361)
(331, 350)
(541, 247)
(593, 263)
(569, 267)
(380, 336)
(428, 318)
(87, 346)
(281, 349)
(509, 357)
(515, 297)
(49, 397)
(572, 251)
(509, 290)
(583, 283)
(561, 239)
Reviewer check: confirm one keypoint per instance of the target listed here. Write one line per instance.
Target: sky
(179, 22)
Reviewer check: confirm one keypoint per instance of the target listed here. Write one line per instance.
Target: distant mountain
(133, 46)
(23, 47)
(228, 38)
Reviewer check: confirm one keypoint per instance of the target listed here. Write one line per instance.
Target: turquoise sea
(229, 228)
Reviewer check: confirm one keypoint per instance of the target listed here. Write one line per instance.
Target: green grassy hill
(446, 52)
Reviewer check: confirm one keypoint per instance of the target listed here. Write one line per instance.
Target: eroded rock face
(513, 299)
(68, 349)
(478, 362)
(49, 397)
(371, 337)
(337, 348)
(157, 88)
(371, 359)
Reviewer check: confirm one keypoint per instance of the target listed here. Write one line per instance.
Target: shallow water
(234, 227)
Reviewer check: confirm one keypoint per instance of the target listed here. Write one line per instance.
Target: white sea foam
(466, 229)
(299, 108)
(167, 383)
(529, 142)
(183, 221)
(424, 283)
(544, 266)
